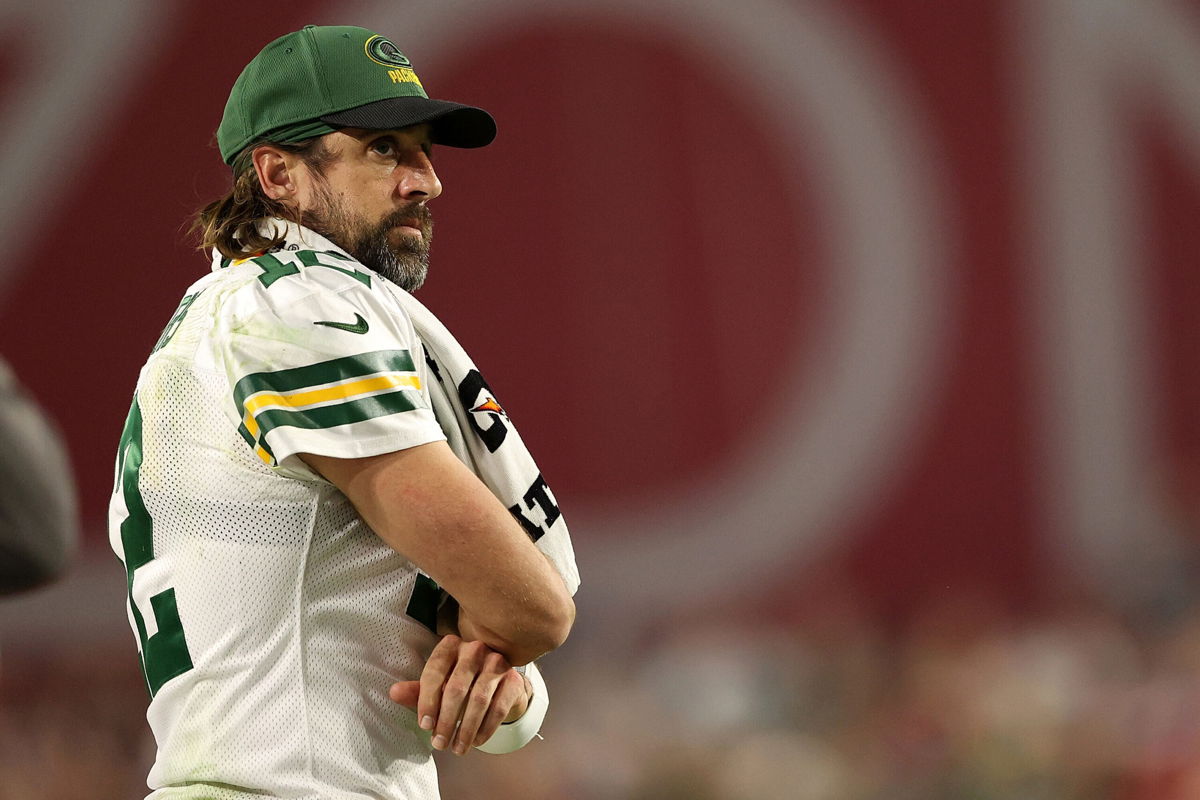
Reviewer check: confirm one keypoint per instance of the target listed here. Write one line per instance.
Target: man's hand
(466, 691)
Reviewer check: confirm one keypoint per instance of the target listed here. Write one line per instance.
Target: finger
(480, 701)
(406, 693)
(441, 662)
(455, 691)
(512, 691)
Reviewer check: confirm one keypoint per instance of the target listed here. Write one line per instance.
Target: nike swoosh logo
(358, 326)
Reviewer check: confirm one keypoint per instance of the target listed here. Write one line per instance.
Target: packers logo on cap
(382, 51)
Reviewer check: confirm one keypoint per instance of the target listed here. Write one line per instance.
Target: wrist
(517, 733)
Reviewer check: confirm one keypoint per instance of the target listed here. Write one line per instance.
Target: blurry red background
(643, 262)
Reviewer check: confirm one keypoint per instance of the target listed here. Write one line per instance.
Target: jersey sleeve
(320, 363)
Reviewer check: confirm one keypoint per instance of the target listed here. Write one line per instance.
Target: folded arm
(430, 507)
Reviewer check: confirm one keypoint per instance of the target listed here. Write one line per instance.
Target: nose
(418, 179)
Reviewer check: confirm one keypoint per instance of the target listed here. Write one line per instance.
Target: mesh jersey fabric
(271, 620)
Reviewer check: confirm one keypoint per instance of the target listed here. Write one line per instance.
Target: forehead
(422, 132)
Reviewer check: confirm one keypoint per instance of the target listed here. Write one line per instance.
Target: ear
(274, 168)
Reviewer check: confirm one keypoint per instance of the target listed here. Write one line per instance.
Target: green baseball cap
(319, 79)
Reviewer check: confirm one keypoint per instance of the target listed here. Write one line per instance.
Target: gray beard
(405, 265)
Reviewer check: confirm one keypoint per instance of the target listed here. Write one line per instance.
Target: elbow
(521, 635)
(551, 629)
(561, 622)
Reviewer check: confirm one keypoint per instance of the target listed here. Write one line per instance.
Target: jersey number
(164, 654)
(424, 602)
(273, 269)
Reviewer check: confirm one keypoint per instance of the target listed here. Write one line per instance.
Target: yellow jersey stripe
(344, 391)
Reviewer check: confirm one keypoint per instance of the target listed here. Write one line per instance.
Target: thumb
(406, 693)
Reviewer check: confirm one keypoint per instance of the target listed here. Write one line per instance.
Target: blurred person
(39, 531)
(326, 517)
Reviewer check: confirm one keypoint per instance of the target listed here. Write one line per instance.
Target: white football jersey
(270, 619)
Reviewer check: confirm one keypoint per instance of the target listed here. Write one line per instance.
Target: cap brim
(454, 124)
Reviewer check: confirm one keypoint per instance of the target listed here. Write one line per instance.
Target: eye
(384, 146)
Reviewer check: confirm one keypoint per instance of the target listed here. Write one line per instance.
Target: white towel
(481, 434)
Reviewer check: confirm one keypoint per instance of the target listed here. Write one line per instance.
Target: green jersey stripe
(332, 371)
(254, 443)
(379, 405)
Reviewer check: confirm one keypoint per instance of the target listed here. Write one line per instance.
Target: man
(338, 549)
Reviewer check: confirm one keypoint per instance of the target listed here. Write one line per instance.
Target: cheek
(372, 188)
(389, 183)
(308, 198)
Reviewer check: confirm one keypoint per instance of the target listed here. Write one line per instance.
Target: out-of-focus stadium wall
(802, 305)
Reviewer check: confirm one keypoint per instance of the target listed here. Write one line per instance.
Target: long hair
(231, 223)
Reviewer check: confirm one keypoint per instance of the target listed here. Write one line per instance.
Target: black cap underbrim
(454, 124)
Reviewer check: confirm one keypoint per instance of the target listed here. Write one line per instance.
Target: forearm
(519, 653)
(427, 505)
(456, 620)
(515, 601)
